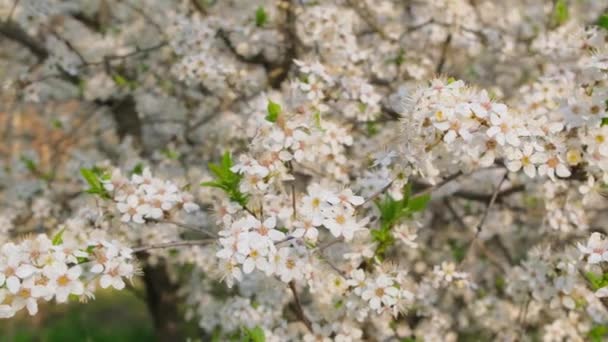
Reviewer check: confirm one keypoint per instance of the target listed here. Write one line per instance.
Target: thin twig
(10, 14)
(299, 310)
(188, 226)
(444, 53)
(173, 244)
(483, 219)
(490, 204)
(376, 194)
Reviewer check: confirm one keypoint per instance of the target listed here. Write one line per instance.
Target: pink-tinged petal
(118, 283)
(248, 266)
(61, 294)
(514, 165)
(78, 288)
(594, 258)
(25, 271)
(276, 235)
(449, 137)
(74, 272)
(97, 268)
(374, 303)
(13, 284)
(530, 170)
(492, 131)
(105, 281)
(32, 307)
(562, 171)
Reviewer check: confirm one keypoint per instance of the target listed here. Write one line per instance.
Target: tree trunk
(162, 301)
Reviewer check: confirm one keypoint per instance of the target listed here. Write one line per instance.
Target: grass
(114, 316)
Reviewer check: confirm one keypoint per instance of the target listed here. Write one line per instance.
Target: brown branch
(444, 53)
(14, 32)
(173, 244)
(490, 204)
(188, 226)
(299, 310)
(360, 7)
(479, 197)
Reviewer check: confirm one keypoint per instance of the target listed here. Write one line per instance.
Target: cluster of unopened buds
(41, 269)
(144, 197)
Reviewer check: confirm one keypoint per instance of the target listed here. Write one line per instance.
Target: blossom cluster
(40, 269)
(143, 196)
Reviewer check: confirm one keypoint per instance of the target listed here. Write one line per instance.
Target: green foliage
(29, 164)
(57, 124)
(123, 82)
(372, 128)
(58, 238)
(391, 212)
(170, 154)
(227, 180)
(604, 122)
(92, 176)
(117, 316)
(255, 335)
(317, 120)
(137, 169)
(603, 21)
(32, 167)
(458, 250)
(400, 57)
(597, 281)
(598, 333)
(274, 109)
(261, 17)
(560, 12)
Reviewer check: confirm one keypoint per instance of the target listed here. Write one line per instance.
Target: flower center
(340, 219)
(63, 280)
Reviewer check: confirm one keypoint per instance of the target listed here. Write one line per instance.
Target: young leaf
(560, 12)
(256, 335)
(274, 109)
(418, 203)
(260, 17)
(227, 180)
(95, 186)
(597, 333)
(58, 238)
(603, 21)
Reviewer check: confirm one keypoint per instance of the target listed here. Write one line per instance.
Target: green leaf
(138, 169)
(603, 21)
(274, 109)
(458, 250)
(58, 238)
(91, 176)
(418, 203)
(57, 123)
(597, 281)
(227, 180)
(120, 80)
(261, 17)
(560, 12)
(256, 335)
(29, 164)
(170, 154)
(317, 119)
(604, 122)
(597, 333)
